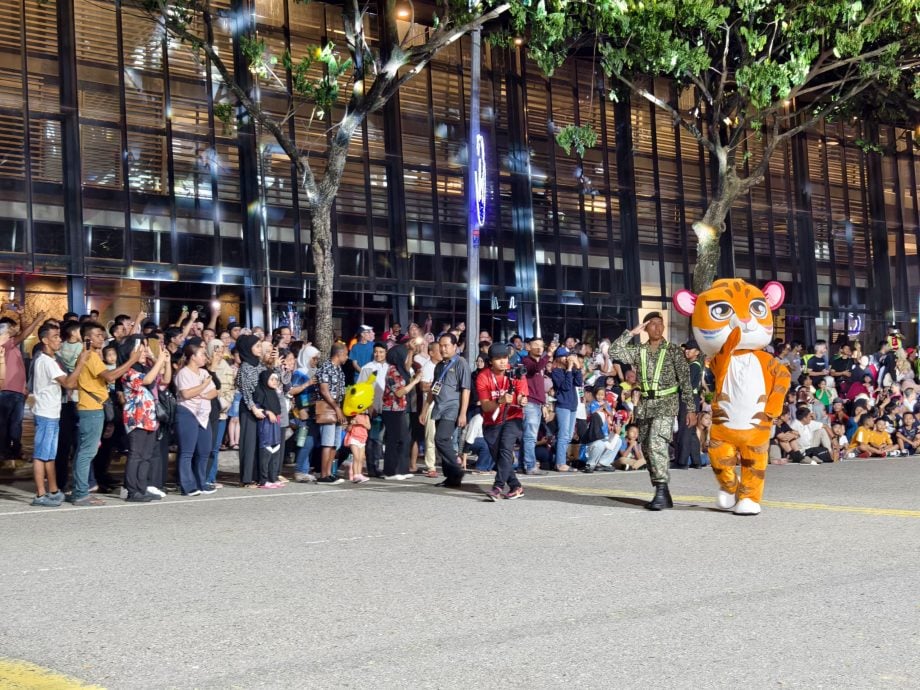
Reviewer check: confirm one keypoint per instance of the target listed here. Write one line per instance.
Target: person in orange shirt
(872, 440)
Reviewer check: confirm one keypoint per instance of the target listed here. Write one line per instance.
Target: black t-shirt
(817, 364)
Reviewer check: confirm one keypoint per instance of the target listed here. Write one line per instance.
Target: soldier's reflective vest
(650, 390)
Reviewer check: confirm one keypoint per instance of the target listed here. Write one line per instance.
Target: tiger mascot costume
(732, 322)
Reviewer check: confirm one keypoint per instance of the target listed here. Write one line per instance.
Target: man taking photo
(502, 399)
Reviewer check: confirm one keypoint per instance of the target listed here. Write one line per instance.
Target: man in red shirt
(13, 387)
(502, 400)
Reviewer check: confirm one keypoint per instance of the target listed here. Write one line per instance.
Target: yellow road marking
(789, 505)
(21, 675)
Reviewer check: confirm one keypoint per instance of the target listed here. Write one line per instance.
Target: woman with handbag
(223, 373)
(140, 417)
(249, 348)
(399, 384)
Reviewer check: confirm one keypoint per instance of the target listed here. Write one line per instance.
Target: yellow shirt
(92, 384)
(871, 436)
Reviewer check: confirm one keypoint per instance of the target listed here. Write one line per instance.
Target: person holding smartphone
(93, 389)
(139, 415)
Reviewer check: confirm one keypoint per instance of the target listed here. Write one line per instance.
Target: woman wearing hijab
(395, 413)
(303, 392)
(139, 415)
(249, 348)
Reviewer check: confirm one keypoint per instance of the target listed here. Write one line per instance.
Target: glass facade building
(120, 190)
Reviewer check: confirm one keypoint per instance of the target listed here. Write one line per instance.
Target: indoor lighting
(403, 13)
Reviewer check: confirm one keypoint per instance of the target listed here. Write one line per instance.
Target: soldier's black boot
(662, 498)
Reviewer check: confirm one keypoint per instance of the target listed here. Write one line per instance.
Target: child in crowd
(839, 440)
(630, 456)
(872, 441)
(823, 395)
(265, 397)
(909, 435)
(356, 440)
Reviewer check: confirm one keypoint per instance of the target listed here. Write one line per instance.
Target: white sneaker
(894, 454)
(725, 500)
(156, 492)
(123, 494)
(747, 507)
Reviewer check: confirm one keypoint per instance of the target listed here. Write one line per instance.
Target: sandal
(235, 446)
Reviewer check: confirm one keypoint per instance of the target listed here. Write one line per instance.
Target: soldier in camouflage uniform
(663, 376)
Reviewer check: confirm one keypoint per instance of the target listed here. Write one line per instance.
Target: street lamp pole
(476, 200)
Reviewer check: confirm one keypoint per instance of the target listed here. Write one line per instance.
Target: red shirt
(490, 386)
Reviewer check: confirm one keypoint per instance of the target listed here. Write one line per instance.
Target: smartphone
(232, 319)
(138, 344)
(4, 327)
(555, 337)
(86, 343)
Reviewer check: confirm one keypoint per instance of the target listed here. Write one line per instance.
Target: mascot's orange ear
(775, 294)
(685, 301)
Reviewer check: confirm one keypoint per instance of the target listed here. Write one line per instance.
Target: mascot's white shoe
(747, 507)
(725, 500)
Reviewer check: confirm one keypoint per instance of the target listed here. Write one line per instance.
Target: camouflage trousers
(655, 434)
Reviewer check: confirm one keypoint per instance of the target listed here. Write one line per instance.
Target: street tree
(759, 69)
(334, 89)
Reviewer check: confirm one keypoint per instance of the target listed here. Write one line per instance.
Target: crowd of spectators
(192, 390)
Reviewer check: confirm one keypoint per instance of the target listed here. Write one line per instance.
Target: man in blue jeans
(93, 390)
(567, 379)
(535, 364)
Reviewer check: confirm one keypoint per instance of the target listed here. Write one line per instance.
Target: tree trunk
(321, 246)
(708, 231)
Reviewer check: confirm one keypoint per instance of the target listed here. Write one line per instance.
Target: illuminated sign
(479, 177)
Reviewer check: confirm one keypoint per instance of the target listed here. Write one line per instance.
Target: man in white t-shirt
(814, 439)
(48, 382)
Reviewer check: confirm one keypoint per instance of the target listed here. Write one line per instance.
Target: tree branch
(675, 116)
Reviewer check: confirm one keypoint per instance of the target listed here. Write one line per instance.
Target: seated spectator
(839, 440)
(630, 456)
(601, 446)
(699, 441)
(474, 443)
(785, 440)
(872, 441)
(909, 435)
(815, 444)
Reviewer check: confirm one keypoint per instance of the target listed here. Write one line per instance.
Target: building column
(396, 187)
(880, 292)
(805, 234)
(247, 143)
(626, 191)
(522, 224)
(71, 159)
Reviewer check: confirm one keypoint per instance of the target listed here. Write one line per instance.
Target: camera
(517, 372)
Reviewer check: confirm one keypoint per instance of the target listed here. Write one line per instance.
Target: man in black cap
(682, 440)
(502, 400)
(664, 380)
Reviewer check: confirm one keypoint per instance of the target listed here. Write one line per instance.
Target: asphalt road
(404, 585)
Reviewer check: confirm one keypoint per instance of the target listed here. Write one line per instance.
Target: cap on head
(498, 351)
(561, 352)
(691, 345)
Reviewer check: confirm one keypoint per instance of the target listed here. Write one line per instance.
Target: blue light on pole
(479, 187)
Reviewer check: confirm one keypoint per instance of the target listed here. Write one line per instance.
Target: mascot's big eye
(721, 311)
(759, 308)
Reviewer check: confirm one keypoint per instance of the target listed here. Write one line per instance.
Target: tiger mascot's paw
(725, 500)
(747, 507)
